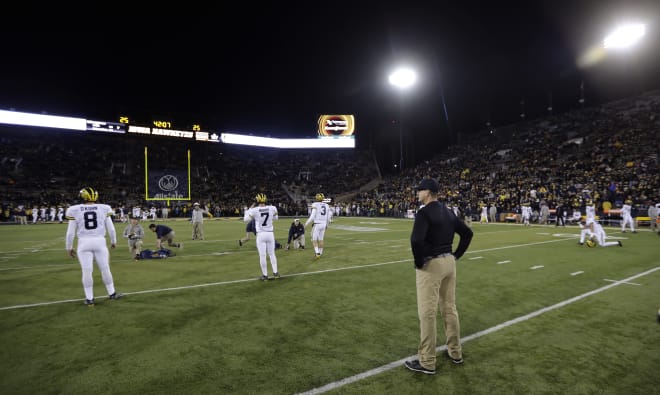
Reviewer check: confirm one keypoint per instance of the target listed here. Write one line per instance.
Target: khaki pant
(436, 288)
(135, 246)
(299, 242)
(198, 230)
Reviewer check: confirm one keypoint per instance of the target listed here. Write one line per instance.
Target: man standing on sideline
(297, 235)
(653, 215)
(320, 216)
(135, 234)
(164, 233)
(198, 222)
(90, 221)
(264, 215)
(492, 213)
(435, 275)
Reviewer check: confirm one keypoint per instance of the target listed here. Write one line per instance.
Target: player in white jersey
(600, 236)
(526, 213)
(626, 214)
(60, 214)
(264, 215)
(320, 217)
(590, 218)
(484, 214)
(90, 222)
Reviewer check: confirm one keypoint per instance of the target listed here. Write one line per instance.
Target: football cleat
(89, 302)
(263, 278)
(88, 194)
(276, 274)
(116, 296)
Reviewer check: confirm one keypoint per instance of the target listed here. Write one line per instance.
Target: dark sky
(273, 69)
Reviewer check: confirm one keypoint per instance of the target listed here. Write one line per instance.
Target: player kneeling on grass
(297, 235)
(599, 237)
(135, 234)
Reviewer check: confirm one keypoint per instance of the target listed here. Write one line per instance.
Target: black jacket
(295, 231)
(433, 233)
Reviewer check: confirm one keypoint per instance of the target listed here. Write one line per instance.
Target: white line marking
(613, 281)
(476, 257)
(207, 284)
(501, 262)
(536, 267)
(576, 273)
(397, 364)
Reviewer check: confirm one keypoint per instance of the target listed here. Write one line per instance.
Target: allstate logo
(168, 182)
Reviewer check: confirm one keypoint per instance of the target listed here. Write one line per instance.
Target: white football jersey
(590, 213)
(91, 220)
(264, 217)
(626, 210)
(320, 213)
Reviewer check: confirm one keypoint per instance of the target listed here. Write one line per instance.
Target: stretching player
(590, 215)
(600, 236)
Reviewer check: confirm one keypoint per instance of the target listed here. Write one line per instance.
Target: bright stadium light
(625, 36)
(402, 78)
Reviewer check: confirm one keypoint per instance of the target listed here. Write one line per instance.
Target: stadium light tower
(402, 78)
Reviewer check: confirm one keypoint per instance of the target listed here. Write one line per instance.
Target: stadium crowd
(607, 154)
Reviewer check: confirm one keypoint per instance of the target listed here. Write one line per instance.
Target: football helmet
(319, 197)
(88, 194)
(590, 243)
(261, 198)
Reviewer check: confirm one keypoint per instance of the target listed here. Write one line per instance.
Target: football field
(539, 314)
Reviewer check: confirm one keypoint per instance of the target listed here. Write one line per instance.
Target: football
(590, 243)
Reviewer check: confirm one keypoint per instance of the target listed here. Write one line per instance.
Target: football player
(264, 215)
(626, 214)
(600, 236)
(90, 221)
(320, 216)
(590, 218)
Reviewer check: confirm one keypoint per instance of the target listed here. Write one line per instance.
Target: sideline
(397, 364)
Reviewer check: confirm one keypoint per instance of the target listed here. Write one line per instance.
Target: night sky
(272, 70)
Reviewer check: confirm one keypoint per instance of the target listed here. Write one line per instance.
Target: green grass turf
(202, 323)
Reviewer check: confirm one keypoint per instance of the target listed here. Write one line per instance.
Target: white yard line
(397, 364)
